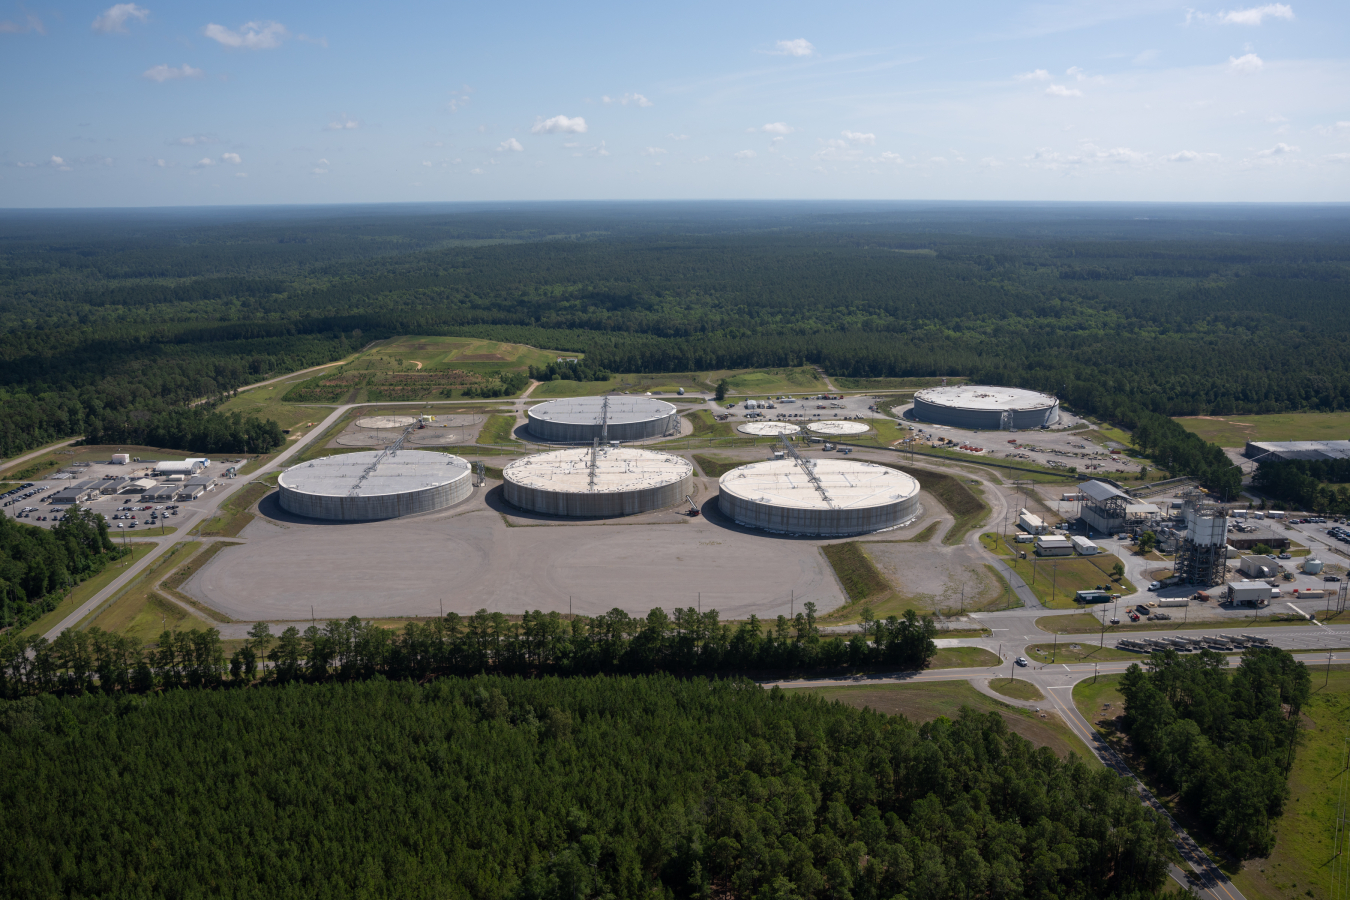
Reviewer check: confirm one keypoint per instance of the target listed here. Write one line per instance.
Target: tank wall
(607, 504)
(365, 509)
(818, 522)
(585, 433)
(988, 419)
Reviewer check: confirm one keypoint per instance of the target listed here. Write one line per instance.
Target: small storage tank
(1312, 566)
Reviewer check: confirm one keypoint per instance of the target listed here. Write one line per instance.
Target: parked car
(1153, 585)
(1021, 661)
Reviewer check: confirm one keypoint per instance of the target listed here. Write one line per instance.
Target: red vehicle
(1134, 616)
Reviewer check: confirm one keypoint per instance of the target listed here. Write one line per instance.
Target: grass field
(86, 589)
(1016, 688)
(497, 430)
(234, 513)
(1235, 431)
(963, 658)
(138, 611)
(888, 384)
(955, 496)
(180, 576)
(858, 575)
(266, 403)
(716, 466)
(924, 702)
(763, 382)
(663, 384)
(419, 368)
(1055, 579)
(57, 459)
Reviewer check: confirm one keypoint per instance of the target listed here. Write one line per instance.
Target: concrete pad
(470, 557)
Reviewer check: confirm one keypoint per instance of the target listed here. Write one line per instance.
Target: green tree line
(551, 789)
(1224, 741)
(686, 642)
(38, 565)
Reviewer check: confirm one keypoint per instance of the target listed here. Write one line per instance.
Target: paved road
(38, 452)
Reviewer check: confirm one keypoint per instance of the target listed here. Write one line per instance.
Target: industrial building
(194, 487)
(185, 467)
(166, 491)
(1258, 567)
(1029, 523)
(1084, 546)
(818, 497)
(76, 493)
(835, 428)
(1053, 545)
(600, 480)
(1287, 450)
(985, 407)
(1202, 556)
(357, 487)
(1254, 536)
(1108, 509)
(1249, 593)
(581, 420)
(767, 429)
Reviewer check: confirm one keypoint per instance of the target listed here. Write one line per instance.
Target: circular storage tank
(354, 488)
(624, 481)
(854, 497)
(836, 428)
(582, 419)
(1312, 566)
(981, 406)
(770, 429)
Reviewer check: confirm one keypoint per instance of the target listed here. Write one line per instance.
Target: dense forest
(1129, 313)
(38, 565)
(1318, 485)
(1223, 740)
(551, 789)
(687, 642)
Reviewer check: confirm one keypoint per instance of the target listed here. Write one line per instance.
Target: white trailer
(1029, 523)
(1084, 546)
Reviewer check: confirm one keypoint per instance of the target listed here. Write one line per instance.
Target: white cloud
(193, 140)
(26, 165)
(1188, 156)
(231, 158)
(1256, 14)
(205, 161)
(57, 162)
(510, 144)
(427, 163)
(344, 124)
(30, 23)
(1280, 149)
(1338, 128)
(678, 137)
(1248, 64)
(626, 99)
(1035, 75)
(653, 151)
(744, 154)
(159, 163)
(798, 47)
(990, 162)
(251, 36)
(164, 72)
(114, 18)
(860, 137)
(887, 156)
(560, 125)
(240, 174)
(775, 128)
(459, 99)
(318, 170)
(1337, 158)
(1145, 57)
(1059, 90)
(1075, 72)
(476, 171)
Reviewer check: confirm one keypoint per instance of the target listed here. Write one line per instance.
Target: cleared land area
(235, 513)
(924, 702)
(1235, 431)
(957, 498)
(481, 554)
(140, 611)
(963, 658)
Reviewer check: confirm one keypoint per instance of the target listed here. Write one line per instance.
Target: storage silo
(818, 497)
(611, 418)
(597, 481)
(355, 487)
(985, 407)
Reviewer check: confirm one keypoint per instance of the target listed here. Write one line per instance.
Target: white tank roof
(984, 397)
(848, 484)
(587, 410)
(767, 428)
(835, 427)
(397, 473)
(617, 469)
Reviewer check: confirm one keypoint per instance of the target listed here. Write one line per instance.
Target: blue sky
(151, 104)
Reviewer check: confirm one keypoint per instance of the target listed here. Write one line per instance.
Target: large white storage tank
(818, 497)
(357, 487)
(597, 481)
(985, 407)
(586, 419)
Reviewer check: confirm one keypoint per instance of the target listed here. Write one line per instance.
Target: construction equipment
(693, 507)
